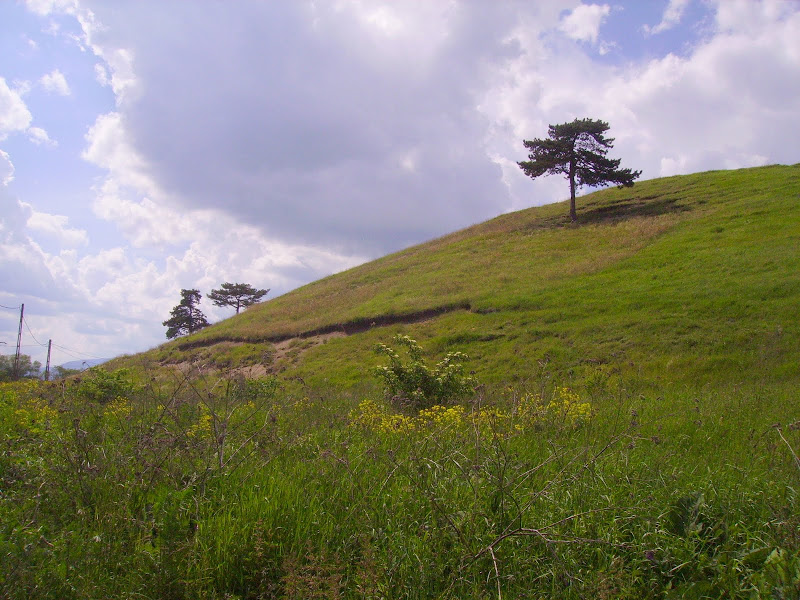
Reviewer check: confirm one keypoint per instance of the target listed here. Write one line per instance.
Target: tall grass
(643, 496)
(636, 433)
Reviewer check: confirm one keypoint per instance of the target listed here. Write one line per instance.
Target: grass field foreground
(207, 487)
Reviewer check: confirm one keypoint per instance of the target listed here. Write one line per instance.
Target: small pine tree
(237, 295)
(186, 317)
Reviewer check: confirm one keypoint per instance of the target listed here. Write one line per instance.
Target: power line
(9, 307)
(28, 327)
(83, 354)
(69, 351)
(70, 354)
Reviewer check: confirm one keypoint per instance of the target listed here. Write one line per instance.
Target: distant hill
(689, 280)
(84, 364)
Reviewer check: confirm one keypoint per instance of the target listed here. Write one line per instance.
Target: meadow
(213, 487)
(607, 410)
(679, 281)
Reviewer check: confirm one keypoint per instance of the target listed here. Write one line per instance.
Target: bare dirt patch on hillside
(292, 348)
(280, 355)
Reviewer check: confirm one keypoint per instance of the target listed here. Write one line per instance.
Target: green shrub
(413, 384)
(100, 385)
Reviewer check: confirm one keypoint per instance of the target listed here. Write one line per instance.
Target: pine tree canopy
(186, 317)
(577, 150)
(237, 295)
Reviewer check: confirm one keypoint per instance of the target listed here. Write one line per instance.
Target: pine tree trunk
(572, 212)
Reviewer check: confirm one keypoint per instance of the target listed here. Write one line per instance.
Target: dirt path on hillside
(347, 328)
(287, 348)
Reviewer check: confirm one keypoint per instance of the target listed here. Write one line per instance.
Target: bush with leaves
(102, 386)
(412, 384)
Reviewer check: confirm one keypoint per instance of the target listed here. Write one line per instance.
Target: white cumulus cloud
(55, 82)
(671, 17)
(6, 169)
(14, 114)
(108, 146)
(583, 23)
(45, 7)
(40, 137)
(57, 226)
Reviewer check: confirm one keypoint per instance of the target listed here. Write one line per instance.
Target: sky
(148, 146)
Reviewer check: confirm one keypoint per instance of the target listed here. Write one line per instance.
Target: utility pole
(19, 342)
(47, 368)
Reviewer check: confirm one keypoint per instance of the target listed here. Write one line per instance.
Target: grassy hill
(635, 433)
(688, 279)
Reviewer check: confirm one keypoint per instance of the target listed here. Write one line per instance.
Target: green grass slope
(636, 436)
(688, 279)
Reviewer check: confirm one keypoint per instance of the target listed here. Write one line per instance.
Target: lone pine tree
(237, 295)
(577, 150)
(186, 317)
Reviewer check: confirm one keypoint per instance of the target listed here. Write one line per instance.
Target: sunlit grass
(633, 432)
(504, 495)
(686, 278)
